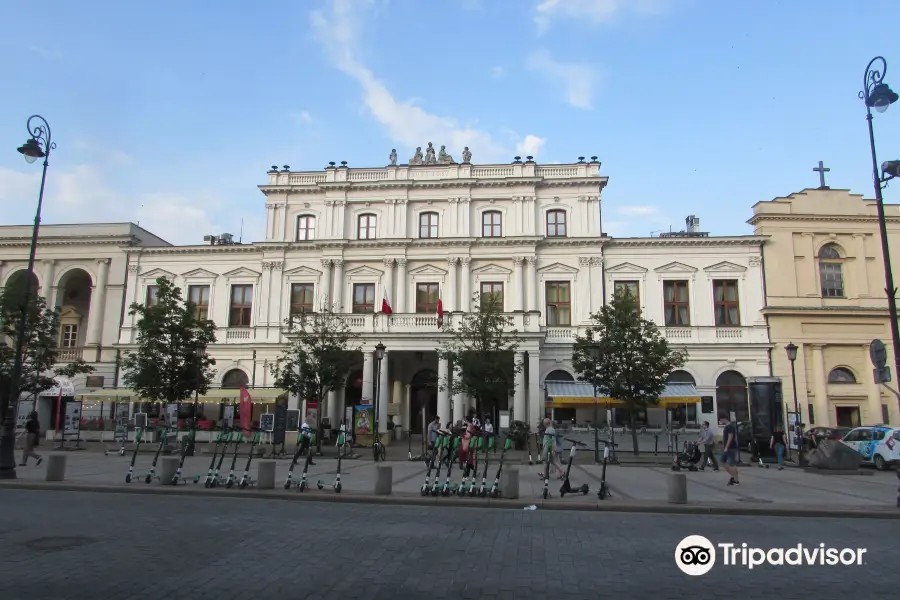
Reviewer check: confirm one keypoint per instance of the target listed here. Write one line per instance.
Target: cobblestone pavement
(106, 546)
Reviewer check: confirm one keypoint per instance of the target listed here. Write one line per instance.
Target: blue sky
(169, 113)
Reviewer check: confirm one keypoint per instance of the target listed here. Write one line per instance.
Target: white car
(879, 445)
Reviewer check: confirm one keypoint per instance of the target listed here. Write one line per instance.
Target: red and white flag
(245, 411)
(386, 304)
(440, 310)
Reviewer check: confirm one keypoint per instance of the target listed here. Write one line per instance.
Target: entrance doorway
(423, 391)
(847, 416)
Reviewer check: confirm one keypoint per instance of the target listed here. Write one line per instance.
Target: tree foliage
(41, 349)
(321, 352)
(482, 347)
(170, 362)
(633, 360)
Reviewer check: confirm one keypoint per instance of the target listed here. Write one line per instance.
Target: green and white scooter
(222, 437)
(341, 440)
(437, 457)
(216, 479)
(489, 448)
(186, 442)
(246, 480)
(467, 484)
(495, 488)
(452, 456)
(163, 438)
(238, 440)
(138, 434)
(300, 439)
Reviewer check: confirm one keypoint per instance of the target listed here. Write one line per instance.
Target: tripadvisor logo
(696, 555)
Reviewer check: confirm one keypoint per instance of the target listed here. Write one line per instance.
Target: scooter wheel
(494, 493)
(242, 485)
(320, 485)
(207, 484)
(584, 492)
(435, 492)
(461, 491)
(545, 494)
(337, 488)
(287, 485)
(603, 493)
(562, 494)
(482, 493)
(229, 484)
(148, 479)
(424, 490)
(175, 480)
(302, 486)
(128, 478)
(445, 492)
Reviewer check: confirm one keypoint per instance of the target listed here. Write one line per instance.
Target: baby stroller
(688, 458)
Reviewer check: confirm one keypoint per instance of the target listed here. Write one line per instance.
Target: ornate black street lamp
(379, 356)
(39, 145)
(791, 350)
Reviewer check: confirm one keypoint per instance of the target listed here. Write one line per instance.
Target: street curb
(413, 500)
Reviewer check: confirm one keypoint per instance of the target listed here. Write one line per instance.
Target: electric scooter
(546, 491)
(436, 457)
(216, 480)
(495, 488)
(452, 457)
(300, 445)
(470, 468)
(186, 443)
(162, 442)
(441, 454)
(489, 447)
(245, 478)
(566, 487)
(238, 440)
(138, 434)
(212, 463)
(341, 442)
(603, 493)
(303, 484)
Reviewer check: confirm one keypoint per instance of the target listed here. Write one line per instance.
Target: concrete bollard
(56, 467)
(676, 488)
(167, 468)
(384, 480)
(509, 483)
(265, 475)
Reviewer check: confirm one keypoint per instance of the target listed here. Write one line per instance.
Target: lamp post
(38, 145)
(594, 350)
(876, 94)
(379, 356)
(791, 350)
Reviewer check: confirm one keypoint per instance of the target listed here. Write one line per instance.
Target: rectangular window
(559, 303)
(306, 228)
(556, 223)
(677, 303)
(302, 298)
(198, 297)
(241, 306)
(152, 290)
(491, 224)
(427, 295)
(363, 297)
(366, 228)
(69, 338)
(428, 225)
(633, 288)
(832, 276)
(726, 304)
(492, 294)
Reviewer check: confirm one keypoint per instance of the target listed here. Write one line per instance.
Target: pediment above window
(676, 267)
(725, 267)
(242, 273)
(427, 270)
(626, 267)
(303, 270)
(199, 274)
(365, 271)
(558, 267)
(157, 274)
(491, 269)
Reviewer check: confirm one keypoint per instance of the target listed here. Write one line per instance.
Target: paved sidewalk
(762, 491)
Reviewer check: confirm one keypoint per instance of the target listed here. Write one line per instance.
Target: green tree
(482, 348)
(170, 362)
(321, 352)
(625, 356)
(40, 353)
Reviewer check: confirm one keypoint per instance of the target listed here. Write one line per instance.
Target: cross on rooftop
(821, 170)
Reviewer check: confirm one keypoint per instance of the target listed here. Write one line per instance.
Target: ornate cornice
(755, 240)
(466, 184)
(755, 219)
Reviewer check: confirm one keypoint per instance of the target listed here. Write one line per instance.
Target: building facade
(825, 293)
(348, 239)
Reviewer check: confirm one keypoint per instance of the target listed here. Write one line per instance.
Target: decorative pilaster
(401, 208)
(518, 291)
(519, 413)
(449, 299)
(325, 297)
(98, 304)
(465, 204)
(808, 278)
(465, 301)
(820, 385)
(535, 393)
(338, 297)
(388, 284)
(459, 403)
(596, 300)
(383, 393)
(327, 225)
(862, 266)
(49, 283)
(584, 289)
(133, 271)
(443, 400)
(532, 283)
(402, 284)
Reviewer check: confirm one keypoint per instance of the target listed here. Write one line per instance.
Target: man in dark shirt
(729, 456)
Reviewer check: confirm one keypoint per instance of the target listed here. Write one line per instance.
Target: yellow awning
(574, 394)
(259, 395)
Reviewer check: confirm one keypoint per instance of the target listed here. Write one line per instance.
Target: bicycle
(378, 450)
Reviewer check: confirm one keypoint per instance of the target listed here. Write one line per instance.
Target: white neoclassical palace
(350, 239)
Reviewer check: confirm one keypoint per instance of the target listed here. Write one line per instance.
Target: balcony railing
(68, 355)
(419, 323)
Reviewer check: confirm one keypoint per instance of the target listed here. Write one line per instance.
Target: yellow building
(824, 280)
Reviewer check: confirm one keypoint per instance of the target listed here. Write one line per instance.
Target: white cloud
(594, 12)
(637, 210)
(302, 116)
(496, 72)
(406, 123)
(578, 81)
(530, 146)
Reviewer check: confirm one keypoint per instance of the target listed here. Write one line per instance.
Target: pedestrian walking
(729, 455)
(32, 439)
(707, 442)
(306, 438)
(777, 444)
(549, 451)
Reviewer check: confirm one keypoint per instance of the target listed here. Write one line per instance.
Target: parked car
(878, 445)
(814, 435)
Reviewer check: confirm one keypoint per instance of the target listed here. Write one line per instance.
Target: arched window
(491, 221)
(234, 379)
(831, 272)
(680, 377)
(559, 375)
(731, 395)
(428, 225)
(556, 223)
(841, 375)
(306, 228)
(366, 227)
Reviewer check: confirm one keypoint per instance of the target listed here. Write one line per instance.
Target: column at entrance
(459, 401)
(820, 391)
(383, 394)
(519, 411)
(443, 399)
(368, 382)
(535, 394)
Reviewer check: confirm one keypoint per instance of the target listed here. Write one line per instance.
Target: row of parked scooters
(448, 450)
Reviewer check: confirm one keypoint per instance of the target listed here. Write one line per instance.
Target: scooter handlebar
(576, 442)
(609, 443)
